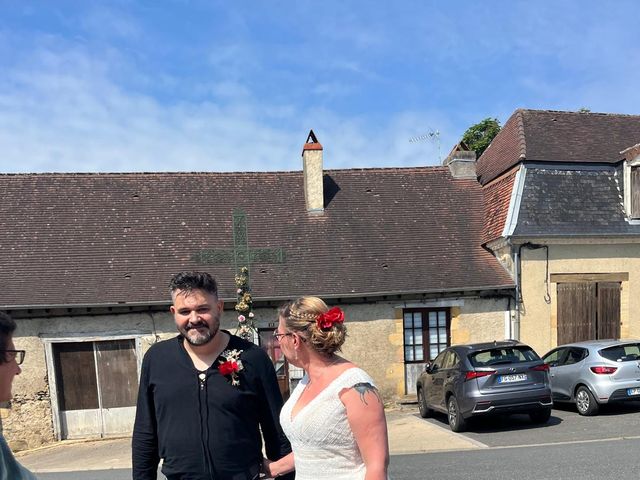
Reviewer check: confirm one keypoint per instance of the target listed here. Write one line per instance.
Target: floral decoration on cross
(246, 319)
(231, 365)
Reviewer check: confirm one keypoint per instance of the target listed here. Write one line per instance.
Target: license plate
(633, 391)
(518, 377)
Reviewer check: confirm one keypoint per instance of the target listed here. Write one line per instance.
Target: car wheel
(540, 416)
(456, 422)
(425, 411)
(585, 402)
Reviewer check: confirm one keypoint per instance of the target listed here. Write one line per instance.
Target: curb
(66, 443)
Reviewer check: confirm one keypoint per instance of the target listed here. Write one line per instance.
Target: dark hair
(189, 281)
(7, 327)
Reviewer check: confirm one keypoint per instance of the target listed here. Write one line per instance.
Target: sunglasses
(9, 355)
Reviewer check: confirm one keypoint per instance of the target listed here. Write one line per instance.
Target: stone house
(562, 200)
(86, 259)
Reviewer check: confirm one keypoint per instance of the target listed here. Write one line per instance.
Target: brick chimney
(312, 168)
(461, 162)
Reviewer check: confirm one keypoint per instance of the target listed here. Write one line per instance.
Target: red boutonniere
(228, 367)
(231, 365)
(331, 316)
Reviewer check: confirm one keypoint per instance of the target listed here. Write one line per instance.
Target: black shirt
(205, 429)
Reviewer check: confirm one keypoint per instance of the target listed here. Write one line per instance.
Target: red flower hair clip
(327, 319)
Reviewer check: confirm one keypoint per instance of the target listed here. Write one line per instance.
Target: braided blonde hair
(301, 316)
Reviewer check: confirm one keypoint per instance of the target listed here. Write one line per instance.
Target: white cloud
(110, 97)
(62, 112)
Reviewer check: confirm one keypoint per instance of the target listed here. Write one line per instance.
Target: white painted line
(568, 442)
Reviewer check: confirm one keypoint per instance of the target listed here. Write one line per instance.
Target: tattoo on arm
(363, 388)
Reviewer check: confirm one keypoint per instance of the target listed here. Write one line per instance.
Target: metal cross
(241, 255)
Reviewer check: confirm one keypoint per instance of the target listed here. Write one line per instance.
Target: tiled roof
(552, 136)
(571, 202)
(497, 196)
(88, 239)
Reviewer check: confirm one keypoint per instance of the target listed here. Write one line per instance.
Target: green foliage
(479, 136)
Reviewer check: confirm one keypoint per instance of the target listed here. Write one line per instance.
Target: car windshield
(622, 353)
(502, 356)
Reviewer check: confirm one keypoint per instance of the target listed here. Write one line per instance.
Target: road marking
(567, 442)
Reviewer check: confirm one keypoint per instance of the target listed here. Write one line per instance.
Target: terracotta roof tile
(497, 196)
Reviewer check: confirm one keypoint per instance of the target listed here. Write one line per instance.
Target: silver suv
(595, 372)
(482, 378)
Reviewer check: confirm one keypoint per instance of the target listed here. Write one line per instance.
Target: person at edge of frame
(10, 361)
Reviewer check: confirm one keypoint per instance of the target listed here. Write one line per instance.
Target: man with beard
(205, 396)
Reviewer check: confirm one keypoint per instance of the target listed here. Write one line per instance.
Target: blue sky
(195, 85)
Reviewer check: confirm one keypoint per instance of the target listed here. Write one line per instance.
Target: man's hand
(266, 469)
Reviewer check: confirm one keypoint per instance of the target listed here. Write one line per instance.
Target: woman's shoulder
(352, 375)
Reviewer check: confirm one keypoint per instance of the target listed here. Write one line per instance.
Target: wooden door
(588, 311)
(96, 384)
(77, 388)
(608, 310)
(117, 369)
(576, 312)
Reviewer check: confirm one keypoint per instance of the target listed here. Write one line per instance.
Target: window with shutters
(632, 188)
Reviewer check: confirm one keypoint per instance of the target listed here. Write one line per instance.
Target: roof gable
(555, 136)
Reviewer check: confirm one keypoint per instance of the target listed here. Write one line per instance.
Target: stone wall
(374, 342)
(480, 320)
(538, 318)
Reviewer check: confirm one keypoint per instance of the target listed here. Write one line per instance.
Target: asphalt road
(584, 461)
(568, 447)
(112, 474)
(565, 425)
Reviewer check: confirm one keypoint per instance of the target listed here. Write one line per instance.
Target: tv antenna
(432, 136)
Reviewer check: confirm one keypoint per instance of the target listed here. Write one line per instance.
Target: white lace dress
(322, 441)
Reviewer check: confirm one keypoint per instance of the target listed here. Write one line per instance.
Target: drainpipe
(516, 322)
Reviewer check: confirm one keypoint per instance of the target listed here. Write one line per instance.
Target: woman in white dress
(334, 418)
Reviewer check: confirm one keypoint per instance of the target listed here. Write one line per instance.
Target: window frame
(562, 351)
(631, 166)
(425, 330)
